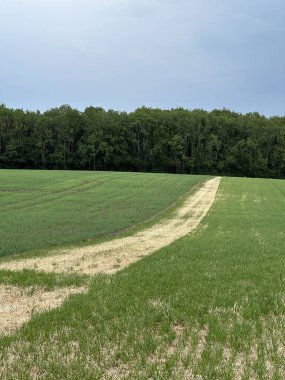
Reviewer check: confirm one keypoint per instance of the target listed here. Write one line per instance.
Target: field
(210, 305)
(41, 209)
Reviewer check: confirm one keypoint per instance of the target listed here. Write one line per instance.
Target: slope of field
(42, 209)
(209, 306)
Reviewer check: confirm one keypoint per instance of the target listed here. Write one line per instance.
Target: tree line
(150, 140)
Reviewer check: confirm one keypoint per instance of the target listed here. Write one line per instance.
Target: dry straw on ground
(17, 305)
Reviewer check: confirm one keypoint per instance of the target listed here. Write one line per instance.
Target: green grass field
(209, 306)
(41, 209)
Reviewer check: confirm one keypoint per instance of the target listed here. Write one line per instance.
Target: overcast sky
(123, 54)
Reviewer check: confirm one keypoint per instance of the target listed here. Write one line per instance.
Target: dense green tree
(176, 140)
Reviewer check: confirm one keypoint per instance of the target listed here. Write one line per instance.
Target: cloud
(125, 53)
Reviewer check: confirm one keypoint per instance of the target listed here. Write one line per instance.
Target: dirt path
(117, 254)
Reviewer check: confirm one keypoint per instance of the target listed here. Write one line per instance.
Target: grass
(29, 278)
(209, 306)
(42, 209)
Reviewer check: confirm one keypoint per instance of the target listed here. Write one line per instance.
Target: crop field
(41, 209)
(208, 304)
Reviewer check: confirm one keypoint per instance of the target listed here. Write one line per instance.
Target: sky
(123, 54)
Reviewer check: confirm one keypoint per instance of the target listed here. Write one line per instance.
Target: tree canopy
(175, 141)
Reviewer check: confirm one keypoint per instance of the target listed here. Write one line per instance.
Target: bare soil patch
(17, 305)
(117, 254)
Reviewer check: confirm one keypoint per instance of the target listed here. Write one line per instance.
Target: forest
(147, 140)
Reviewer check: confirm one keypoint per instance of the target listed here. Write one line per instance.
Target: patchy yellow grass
(17, 305)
